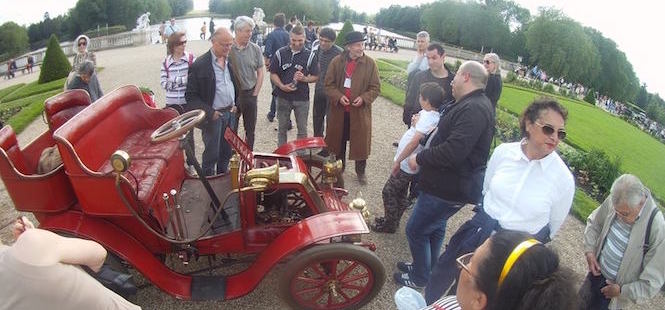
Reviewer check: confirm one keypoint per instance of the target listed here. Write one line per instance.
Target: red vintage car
(123, 184)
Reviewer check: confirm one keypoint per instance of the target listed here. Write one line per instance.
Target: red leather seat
(120, 121)
(31, 192)
(61, 107)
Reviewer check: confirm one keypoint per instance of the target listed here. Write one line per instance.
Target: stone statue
(143, 22)
(258, 18)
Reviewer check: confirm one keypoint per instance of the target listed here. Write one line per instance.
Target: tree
(181, 7)
(642, 97)
(13, 39)
(55, 65)
(341, 36)
(560, 46)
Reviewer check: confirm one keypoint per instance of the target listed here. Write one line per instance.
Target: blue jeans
(425, 230)
(284, 108)
(217, 152)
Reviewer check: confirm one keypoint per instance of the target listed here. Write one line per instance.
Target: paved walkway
(141, 65)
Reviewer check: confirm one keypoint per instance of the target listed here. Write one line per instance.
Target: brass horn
(261, 178)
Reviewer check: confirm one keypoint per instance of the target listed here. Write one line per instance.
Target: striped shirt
(614, 248)
(445, 303)
(175, 80)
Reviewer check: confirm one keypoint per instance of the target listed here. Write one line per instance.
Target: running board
(208, 288)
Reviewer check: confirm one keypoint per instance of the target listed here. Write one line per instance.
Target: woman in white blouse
(527, 188)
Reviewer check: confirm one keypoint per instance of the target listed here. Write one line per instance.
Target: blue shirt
(275, 40)
(224, 91)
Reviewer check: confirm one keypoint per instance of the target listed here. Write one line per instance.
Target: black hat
(353, 37)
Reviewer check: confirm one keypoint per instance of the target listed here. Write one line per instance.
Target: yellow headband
(512, 258)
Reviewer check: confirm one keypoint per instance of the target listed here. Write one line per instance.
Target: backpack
(166, 67)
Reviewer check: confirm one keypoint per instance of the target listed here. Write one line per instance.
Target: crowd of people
(521, 193)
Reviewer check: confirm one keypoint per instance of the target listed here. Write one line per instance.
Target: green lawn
(590, 127)
(20, 113)
(8, 90)
(34, 88)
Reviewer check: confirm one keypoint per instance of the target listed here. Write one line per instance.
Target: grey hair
(243, 21)
(87, 68)
(423, 34)
(493, 57)
(628, 189)
(476, 71)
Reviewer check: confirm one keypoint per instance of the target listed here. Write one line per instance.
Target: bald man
(213, 87)
(452, 167)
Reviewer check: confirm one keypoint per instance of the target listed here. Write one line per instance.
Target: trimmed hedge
(35, 88)
(348, 27)
(8, 90)
(55, 65)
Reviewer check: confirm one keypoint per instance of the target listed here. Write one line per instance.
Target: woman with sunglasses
(494, 86)
(511, 270)
(82, 55)
(527, 188)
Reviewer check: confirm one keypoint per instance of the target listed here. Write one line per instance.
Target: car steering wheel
(177, 126)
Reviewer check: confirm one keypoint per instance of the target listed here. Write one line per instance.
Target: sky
(633, 25)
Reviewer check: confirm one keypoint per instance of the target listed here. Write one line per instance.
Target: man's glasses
(83, 43)
(549, 130)
(181, 43)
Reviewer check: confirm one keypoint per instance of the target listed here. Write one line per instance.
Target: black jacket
(452, 167)
(411, 102)
(493, 89)
(200, 91)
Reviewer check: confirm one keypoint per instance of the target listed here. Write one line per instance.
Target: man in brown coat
(352, 83)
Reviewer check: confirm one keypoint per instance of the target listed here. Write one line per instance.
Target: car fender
(301, 144)
(124, 246)
(297, 237)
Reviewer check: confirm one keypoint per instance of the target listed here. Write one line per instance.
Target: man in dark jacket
(213, 87)
(325, 50)
(275, 40)
(452, 169)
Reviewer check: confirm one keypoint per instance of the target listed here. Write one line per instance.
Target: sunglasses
(83, 43)
(549, 130)
(181, 43)
(463, 262)
(487, 62)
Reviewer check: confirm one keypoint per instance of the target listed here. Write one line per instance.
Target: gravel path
(141, 65)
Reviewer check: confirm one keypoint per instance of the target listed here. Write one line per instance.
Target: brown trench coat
(364, 83)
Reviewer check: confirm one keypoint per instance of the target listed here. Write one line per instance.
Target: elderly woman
(511, 270)
(173, 79)
(83, 55)
(83, 80)
(492, 64)
(527, 188)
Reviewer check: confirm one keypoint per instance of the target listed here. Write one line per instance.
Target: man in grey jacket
(626, 264)
(325, 50)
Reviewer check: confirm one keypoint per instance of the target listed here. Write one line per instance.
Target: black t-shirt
(285, 63)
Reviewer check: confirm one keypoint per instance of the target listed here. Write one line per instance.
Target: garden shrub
(510, 77)
(549, 88)
(341, 36)
(55, 65)
(594, 171)
(454, 67)
(590, 98)
(536, 84)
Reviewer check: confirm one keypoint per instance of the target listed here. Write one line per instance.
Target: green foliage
(560, 46)
(594, 171)
(8, 110)
(507, 127)
(322, 11)
(583, 205)
(8, 90)
(180, 7)
(405, 18)
(105, 31)
(40, 32)
(590, 97)
(510, 77)
(455, 66)
(55, 65)
(642, 97)
(35, 88)
(589, 127)
(392, 93)
(402, 64)
(88, 14)
(341, 36)
(548, 88)
(536, 84)
(13, 39)
(33, 108)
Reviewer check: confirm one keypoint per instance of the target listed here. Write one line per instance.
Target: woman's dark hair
(532, 112)
(279, 20)
(173, 39)
(535, 281)
(433, 93)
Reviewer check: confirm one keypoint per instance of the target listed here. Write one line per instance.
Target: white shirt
(427, 120)
(526, 195)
